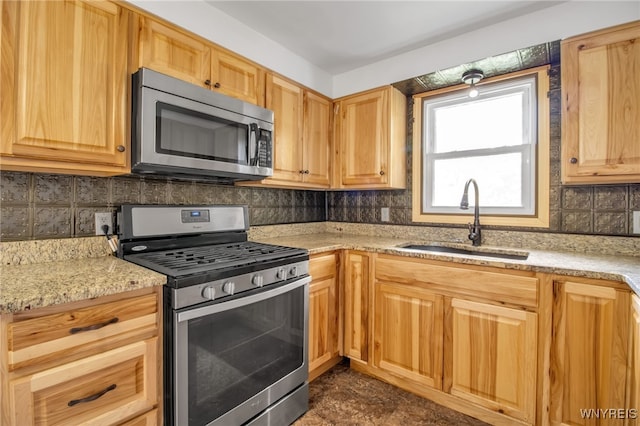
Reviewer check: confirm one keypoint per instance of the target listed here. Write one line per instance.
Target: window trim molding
(541, 217)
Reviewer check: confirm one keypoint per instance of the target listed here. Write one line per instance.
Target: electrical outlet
(104, 218)
(384, 214)
(636, 222)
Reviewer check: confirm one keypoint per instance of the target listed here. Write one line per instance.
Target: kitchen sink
(474, 252)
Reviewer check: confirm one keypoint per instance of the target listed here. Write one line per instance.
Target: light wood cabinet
(324, 299)
(89, 362)
(634, 358)
(64, 83)
(178, 53)
(408, 332)
(601, 106)
(302, 136)
(589, 351)
(492, 356)
(371, 140)
(463, 336)
(357, 279)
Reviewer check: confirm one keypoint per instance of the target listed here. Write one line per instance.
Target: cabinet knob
(120, 148)
(217, 85)
(306, 172)
(207, 82)
(301, 171)
(573, 160)
(381, 172)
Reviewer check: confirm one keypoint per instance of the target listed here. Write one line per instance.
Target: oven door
(234, 359)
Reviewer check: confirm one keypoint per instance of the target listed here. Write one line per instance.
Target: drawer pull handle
(92, 397)
(93, 327)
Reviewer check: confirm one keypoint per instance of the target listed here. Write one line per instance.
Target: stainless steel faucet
(474, 229)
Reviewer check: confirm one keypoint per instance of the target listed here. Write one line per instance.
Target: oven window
(235, 354)
(188, 133)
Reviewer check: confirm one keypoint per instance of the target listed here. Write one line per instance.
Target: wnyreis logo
(609, 413)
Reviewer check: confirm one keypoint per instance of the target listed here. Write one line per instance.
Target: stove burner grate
(189, 260)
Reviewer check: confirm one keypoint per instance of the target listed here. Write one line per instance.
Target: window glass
(490, 138)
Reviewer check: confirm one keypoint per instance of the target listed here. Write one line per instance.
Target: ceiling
(339, 36)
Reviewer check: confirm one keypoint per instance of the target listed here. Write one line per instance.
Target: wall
(37, 206)
(554, 23)
(584, 209)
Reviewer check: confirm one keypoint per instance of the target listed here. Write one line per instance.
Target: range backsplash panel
(36, 206)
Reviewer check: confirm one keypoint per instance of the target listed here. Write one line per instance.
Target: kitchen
(592, 219)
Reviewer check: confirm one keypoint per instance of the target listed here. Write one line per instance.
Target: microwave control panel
(264, 149)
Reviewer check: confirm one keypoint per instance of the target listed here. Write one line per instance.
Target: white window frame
(535, 179)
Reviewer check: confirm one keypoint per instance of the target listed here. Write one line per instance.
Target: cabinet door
(357, 277)
(364, 143)
(492, 357)
(234, 76)
(589, 351)
(64, 84)
(323, 311)
(104, 389)
(634, 353)
(286, 101)
(172, 52)
(317, 140)
(601, 114)
(407, 332)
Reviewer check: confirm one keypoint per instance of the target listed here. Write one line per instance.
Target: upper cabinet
(64, 81)
(371, 140)
(601, 106)
(171, 51)
(302, 135)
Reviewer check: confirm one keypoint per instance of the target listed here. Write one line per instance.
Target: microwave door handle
(253, 144)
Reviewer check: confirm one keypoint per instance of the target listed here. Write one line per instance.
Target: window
(499, 138)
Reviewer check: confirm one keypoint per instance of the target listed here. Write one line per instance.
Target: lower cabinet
(324, 308)
(590, 354)
(90, 362)
(408, 332)
(634, 354)
(492, 351)
(357, 276)
(462, 336)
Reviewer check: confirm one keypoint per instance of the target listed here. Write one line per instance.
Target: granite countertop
(41, 273)
(616, 268)
(40, 277)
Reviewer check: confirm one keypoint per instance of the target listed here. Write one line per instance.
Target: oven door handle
(242, 301)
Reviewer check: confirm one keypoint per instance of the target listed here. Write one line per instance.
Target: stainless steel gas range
(235, 314)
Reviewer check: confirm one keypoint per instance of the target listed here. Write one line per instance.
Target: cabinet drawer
(43, 338)
(470, 283)
(103, 389)
(322, 266)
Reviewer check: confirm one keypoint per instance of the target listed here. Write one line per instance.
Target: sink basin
(456, 250)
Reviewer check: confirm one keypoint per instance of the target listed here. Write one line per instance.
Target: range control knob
(257, 280)
(229, 287)
(293, 272)
(281, 274)
(209, 293)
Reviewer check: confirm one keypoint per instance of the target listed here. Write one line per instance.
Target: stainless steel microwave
(184, 130)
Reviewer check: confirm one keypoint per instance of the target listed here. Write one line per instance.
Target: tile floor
(345, 397)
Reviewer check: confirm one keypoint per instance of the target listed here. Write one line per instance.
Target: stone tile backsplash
(39, 206)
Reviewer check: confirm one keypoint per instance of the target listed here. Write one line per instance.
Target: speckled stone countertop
(42, 273)
(588, 265)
